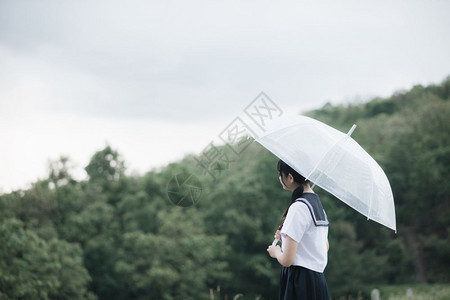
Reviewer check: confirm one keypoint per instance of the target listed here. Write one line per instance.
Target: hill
(121, 237)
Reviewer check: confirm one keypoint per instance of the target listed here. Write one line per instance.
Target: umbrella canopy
(334, 161)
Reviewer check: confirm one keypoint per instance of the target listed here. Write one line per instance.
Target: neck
(307, 189)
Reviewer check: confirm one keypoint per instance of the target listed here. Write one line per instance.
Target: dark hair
(284, 170)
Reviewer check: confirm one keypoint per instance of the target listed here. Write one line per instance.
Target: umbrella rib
(326, 154)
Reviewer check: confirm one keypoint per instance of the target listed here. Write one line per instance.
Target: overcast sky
(160, 79)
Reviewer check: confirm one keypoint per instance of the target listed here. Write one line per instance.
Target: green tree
(105, 167)
(100, 256)
(31, 268)
(60, 172)
(73, 277)
(419, 158)
(179, 262)
(97, 220)
(138, 212)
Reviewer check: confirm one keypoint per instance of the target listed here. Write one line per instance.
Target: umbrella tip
(351, 130)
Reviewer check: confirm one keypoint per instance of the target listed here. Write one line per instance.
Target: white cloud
(189, 64)
(28, 142)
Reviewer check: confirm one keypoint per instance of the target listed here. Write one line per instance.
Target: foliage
(32, 268)
(116, 236)
(105, 167)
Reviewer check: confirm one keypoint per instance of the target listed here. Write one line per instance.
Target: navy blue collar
(315, 207)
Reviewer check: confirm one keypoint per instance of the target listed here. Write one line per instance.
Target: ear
(290, 178)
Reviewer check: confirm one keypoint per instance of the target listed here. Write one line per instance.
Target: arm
(287, 257)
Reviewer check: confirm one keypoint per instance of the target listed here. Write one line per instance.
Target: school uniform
(307, 224)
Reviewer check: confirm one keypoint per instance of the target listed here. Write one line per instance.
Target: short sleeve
(297, 221)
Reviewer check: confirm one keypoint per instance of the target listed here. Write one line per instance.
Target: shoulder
(298, 220)
(299, 207)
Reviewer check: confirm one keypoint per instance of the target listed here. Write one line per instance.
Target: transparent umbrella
(334, 161)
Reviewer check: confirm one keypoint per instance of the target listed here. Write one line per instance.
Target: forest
(120, 236)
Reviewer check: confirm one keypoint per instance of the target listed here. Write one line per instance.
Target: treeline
(117, 236)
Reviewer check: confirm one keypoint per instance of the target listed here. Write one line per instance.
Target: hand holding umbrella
(277, 236)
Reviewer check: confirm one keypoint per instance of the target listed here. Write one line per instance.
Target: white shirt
(312, 250)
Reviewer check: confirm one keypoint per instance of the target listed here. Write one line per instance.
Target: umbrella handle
(275, 242)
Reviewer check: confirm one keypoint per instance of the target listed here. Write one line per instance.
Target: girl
(304, 236)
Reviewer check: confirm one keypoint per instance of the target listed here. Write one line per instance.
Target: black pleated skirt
(300, 283)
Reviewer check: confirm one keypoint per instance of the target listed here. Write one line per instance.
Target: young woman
(304, 238)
